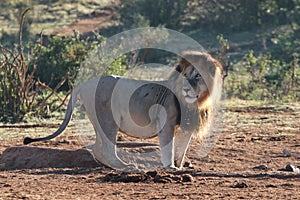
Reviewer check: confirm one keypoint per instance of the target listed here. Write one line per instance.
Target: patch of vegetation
(268, 72)
(266, 68)
(30, 85)
(262, 78)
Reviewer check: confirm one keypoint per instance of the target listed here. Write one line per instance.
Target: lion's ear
(178, 68)
(183, 63)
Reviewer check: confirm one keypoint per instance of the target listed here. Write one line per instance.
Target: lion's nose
(185, 91)
(185, 88)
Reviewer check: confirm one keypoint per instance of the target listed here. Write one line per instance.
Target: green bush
(286, 43)
(59, 56)
(30, 85)
(262, 78)
(241, 15)
(214, 15)
(141, 13)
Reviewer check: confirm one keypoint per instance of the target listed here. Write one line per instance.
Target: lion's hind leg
(105, 151)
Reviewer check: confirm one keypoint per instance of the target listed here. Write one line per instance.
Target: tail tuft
(27, 140)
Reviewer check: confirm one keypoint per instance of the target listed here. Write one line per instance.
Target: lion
(176, 110)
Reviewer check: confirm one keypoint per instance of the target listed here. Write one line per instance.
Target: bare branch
(53, 91)
(21, 33)
(226, 69)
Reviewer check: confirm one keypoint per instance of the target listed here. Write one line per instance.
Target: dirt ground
(247, 162)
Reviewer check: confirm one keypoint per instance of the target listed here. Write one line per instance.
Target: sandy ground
(247, 162)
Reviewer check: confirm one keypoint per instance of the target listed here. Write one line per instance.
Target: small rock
(188, 164)
(297, 170)
(152, 173)
(271, 186)
(6, 185)
(162, 179)
(260, 167)
(287, 185)
(187, 178)
(239, 185)
(120, 138)
(286, 153)
(291, 168)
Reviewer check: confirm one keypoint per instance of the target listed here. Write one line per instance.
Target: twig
(52, 90)
(226, 68)
(21, 33)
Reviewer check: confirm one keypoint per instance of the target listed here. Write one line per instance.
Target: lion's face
(193, 85)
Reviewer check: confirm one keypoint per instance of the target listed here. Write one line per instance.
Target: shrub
(262, 78)
(30, 85)
(60, 55)
(141, 13)
(20, 92)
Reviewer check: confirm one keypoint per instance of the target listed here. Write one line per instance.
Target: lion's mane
(212, 72)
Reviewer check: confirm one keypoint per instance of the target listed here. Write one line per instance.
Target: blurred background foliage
(260, 37)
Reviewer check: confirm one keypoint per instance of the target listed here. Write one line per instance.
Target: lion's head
(193, 85)
(199, 79)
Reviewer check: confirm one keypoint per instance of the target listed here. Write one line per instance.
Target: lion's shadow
(31, 157)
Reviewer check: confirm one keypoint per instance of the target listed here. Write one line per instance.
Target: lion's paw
(171, 167)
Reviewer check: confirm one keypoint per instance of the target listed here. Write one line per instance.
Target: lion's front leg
(181, 143)
(166, 143)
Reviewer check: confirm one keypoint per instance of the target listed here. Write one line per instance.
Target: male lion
(175, 110)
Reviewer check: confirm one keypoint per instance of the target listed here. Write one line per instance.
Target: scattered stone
(277, 138)
(152, 173)
(260, 167)
(286, 153)
(291, 168)
(120, 138)
(253, 139)
(263, 118)
(287, 185)
(271, 186)
(6, 185)
(187, 178)
(239, 185)
(162, 179)
(188, 164)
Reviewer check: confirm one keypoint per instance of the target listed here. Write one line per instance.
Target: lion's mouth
(187, 96)
(190, 99)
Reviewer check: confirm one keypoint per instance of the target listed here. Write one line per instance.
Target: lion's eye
(197, 76)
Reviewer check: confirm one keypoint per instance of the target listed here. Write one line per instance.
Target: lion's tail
(62, 127)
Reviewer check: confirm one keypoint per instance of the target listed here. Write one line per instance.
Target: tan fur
(212, 71)
(135, 107)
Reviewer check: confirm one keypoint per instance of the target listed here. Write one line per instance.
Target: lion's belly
(131, 128)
